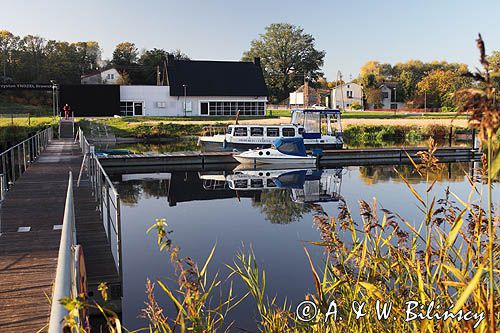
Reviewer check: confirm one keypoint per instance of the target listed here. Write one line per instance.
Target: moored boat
(320, 128)
(283, 151)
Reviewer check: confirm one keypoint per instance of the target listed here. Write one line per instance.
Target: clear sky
(350, 31)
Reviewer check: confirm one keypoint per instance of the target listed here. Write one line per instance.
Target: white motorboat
(283, 151)
(320, 128)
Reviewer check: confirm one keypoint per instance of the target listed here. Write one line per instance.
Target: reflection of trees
(383, 173)
(131, 191)
(278, 207)
(156, 189)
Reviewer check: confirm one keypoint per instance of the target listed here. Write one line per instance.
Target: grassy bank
(381, 135)
(146, 128)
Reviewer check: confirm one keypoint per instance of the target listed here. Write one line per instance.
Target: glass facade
(223, 108)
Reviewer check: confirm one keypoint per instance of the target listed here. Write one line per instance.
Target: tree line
(289, 58)
(38, 60)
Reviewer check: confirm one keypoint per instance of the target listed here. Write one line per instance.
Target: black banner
(25, 86)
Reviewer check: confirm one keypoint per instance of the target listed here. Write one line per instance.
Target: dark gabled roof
(215, 78)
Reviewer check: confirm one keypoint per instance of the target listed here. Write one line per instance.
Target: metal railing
(107, 198)
(15, 160)
(64, 285)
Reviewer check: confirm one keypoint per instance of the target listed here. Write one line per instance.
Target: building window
(288, 131)
(273, 131)
(385, 94)
(394, 106)
(256, 131)
(349, 93)
(110, 77)
(127, 109)
(231, 108)
(240, 131)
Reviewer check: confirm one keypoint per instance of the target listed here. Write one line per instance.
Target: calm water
(270, 210)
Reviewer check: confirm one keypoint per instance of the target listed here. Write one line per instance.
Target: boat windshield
(312, 122)
(297, 118)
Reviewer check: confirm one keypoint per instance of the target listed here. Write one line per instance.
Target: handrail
(107, 197)
(63, 285)
(15, 160)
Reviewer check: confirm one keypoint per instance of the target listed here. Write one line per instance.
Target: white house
(200, 88)
(389, 97)
(108, 76)
(343, 96)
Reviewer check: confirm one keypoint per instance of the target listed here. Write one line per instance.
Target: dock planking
(28, 260)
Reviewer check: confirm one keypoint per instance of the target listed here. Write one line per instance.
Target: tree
(124, 55)
(61, 62)
(439, 85)
(33, 52)
(288, 56)
(6, 43)
(179, 55)
(373, 96)
(89, 54)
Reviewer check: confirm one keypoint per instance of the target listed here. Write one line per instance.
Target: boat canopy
(291, 146)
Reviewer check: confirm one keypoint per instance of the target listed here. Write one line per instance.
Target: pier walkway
(31, 218)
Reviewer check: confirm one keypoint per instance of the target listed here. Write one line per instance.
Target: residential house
(108, 76)
(389, 96)
(345, 95)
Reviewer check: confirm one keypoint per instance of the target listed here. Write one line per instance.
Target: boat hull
(217, 145)
(306, 161)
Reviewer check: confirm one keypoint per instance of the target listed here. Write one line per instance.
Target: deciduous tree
(287, 54)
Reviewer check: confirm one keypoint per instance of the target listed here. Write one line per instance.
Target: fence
(15, 160)
(65, 283)
(107, 198)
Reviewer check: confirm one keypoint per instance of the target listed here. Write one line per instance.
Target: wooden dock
(30, 221)
(329, 157)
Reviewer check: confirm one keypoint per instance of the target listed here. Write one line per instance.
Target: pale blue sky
(350, 31)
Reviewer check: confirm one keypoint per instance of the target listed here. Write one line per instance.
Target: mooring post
(474, 139)
(450, 136)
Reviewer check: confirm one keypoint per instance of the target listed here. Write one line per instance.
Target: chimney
(256, 61)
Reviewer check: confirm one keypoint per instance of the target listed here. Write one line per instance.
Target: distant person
(66, 109)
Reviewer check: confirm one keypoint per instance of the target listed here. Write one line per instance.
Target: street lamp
(53, 98)
(185, 111)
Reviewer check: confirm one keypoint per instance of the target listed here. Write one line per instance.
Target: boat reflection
(305, 185)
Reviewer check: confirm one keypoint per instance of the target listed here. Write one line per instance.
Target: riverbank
(154, 128)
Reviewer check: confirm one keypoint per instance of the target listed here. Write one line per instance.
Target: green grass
(24, 121)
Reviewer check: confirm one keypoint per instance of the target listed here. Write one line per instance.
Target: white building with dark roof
(193, 88)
